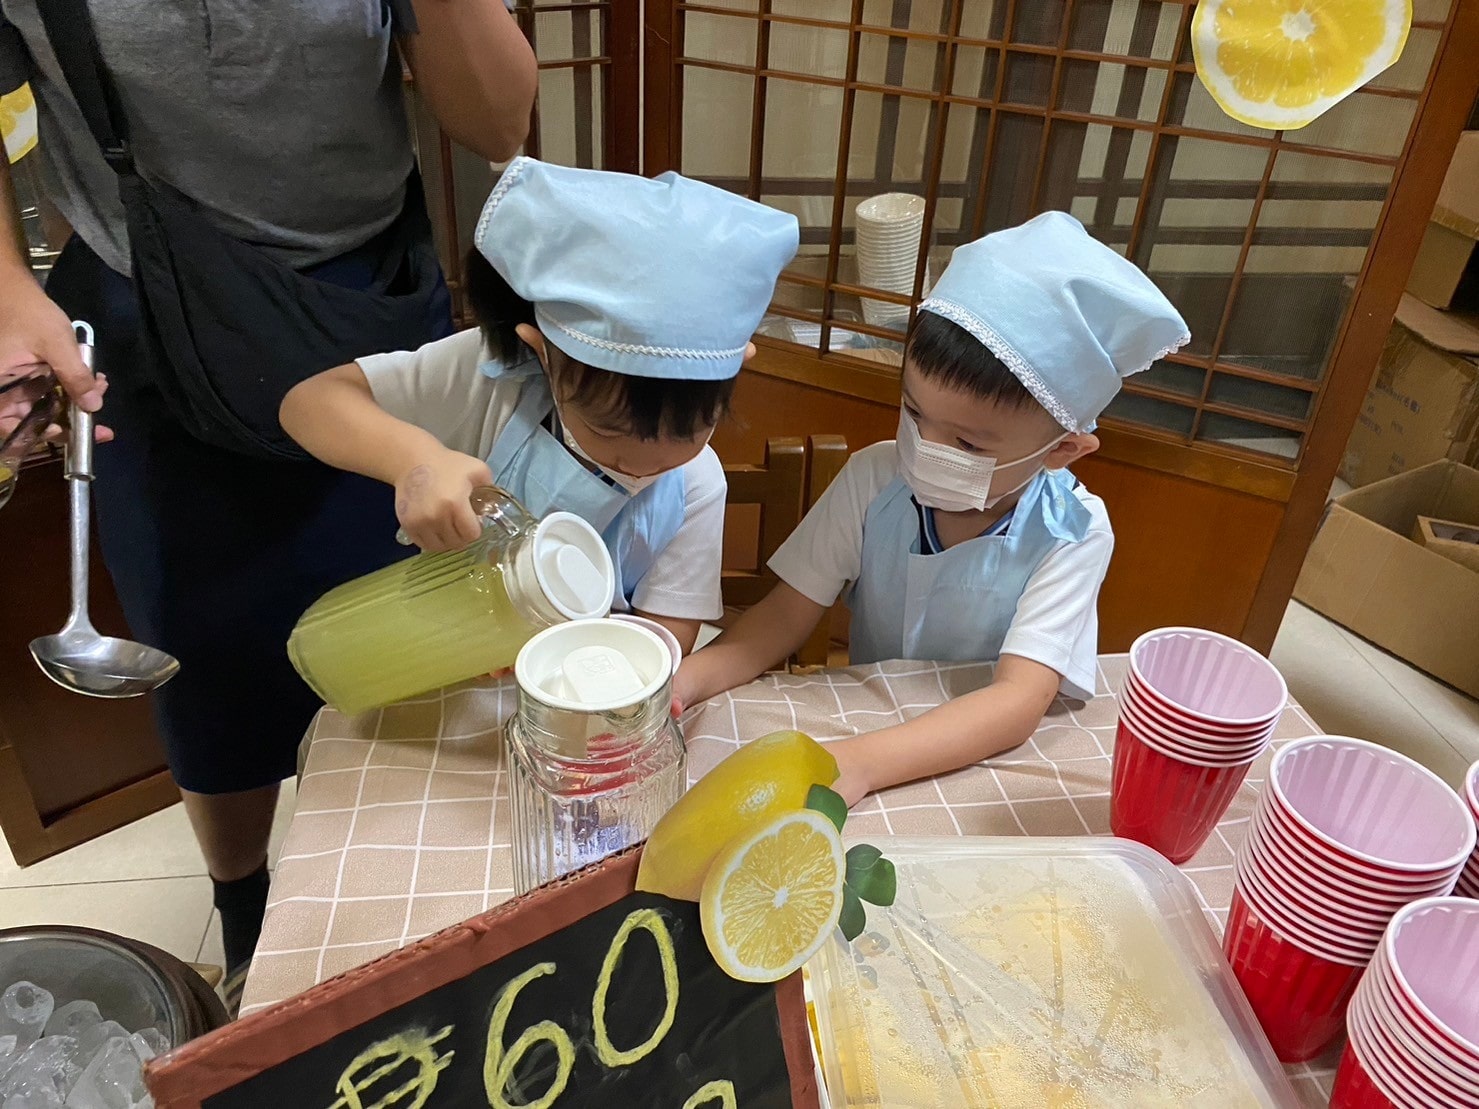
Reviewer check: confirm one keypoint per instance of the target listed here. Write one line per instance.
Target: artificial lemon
(773, 896)
(1280, 64)
(762, 779)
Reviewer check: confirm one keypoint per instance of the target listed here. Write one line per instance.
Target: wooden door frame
(1448, 100)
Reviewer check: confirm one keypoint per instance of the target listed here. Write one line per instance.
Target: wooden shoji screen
(994, 110)
(587, 114)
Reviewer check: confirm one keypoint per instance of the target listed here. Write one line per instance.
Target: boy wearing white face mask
(967, 538)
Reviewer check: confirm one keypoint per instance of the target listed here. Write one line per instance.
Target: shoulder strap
(73, 40)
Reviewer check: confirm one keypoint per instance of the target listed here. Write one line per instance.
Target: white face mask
(629, 482)
(951, 479)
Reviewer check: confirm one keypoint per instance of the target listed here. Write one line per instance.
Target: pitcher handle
(496, 507)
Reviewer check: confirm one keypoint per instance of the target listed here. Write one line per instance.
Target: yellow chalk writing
(499, 1063)
(651, 922)
(413, 1047)
(720, 1090)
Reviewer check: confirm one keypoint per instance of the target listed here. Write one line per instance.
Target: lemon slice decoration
(1280, 64)
(772, 898)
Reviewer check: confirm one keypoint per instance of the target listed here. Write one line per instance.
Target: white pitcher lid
(573, 566)
(593, 665)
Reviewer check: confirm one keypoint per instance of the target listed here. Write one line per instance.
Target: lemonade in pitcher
(436, 619)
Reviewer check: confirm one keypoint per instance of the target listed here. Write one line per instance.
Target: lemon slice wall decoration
(1281, 64)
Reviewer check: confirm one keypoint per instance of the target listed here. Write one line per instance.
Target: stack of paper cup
(1345, 835)
(1414, 1019)
(889, 229)
(1468, 881)
(1197, 711)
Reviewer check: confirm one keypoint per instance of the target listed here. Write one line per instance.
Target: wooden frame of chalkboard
(580, 994)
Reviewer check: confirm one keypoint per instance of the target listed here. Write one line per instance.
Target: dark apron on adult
(217, 532)
(227, 329)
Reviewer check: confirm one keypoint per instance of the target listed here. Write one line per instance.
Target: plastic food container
(1029, 972)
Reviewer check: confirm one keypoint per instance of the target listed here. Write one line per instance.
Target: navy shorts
(215, 555)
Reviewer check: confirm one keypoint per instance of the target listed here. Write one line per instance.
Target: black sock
(242, 904)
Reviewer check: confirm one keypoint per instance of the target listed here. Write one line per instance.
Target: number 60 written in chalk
(501, 1060)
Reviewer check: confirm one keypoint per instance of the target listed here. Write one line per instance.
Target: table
(402, 823)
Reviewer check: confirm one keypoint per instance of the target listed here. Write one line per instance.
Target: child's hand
(432, 500)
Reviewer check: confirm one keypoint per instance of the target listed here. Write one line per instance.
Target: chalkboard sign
(579, 995)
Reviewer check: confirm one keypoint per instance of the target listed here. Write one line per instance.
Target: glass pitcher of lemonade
(440, 618)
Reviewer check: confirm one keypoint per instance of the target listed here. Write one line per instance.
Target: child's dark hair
(647, 407)
(949, 355)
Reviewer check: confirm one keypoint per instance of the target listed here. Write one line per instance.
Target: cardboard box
(1452, 539)
(1446, 272)
(1424, 404)
(1365, 572)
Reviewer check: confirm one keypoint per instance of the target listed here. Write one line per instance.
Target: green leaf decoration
(871, 876)
(853, 915)
(829, 803)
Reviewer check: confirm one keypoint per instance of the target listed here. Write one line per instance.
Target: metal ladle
(78, 657)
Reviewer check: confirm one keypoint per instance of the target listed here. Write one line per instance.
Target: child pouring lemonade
(967, 538)
(615, 312)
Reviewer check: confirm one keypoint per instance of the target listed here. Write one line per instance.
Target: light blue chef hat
(1067, 315)
(662, 277)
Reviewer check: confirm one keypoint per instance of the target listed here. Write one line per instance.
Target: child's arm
(959, 732)
(762, 636)
(334, 416)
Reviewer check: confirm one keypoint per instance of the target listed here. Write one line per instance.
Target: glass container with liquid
(440, 618)
(595, 756)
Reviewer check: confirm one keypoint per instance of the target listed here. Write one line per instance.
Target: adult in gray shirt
(283, 122)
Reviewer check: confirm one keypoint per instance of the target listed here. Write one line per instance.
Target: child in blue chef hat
(967, 538)
(614, 312)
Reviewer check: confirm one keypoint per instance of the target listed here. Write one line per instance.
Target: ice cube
(73, 1018)
(24, 1010)
(44, 1096)
(51, 1059)
(8, 1052)
(113, 1080)
(92, 1040)
(158, 1042)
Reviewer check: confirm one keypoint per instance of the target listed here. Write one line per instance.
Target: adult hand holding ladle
(78, 657)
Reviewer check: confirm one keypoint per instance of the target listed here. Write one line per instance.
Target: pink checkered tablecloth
(402, 823)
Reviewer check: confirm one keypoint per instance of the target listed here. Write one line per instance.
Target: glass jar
(439, 618)
(595, 757)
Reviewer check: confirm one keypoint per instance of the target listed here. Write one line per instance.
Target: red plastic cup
(1183, 744)
(1164, 803)
(1353, 1086)
(1207, 678)
(1299, 998)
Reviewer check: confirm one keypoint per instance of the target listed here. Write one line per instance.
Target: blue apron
(955, 606)
(536, 468)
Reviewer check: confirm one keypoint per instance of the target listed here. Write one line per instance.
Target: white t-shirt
(1057, 620)
(441, 388)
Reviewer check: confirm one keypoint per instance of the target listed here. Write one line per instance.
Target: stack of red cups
(1345, 834)
(1196, 712)
(1414, 1019)
(1468, 881)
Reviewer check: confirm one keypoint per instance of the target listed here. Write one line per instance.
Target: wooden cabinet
(71, 767)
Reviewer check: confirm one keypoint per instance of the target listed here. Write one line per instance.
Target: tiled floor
(148, 881)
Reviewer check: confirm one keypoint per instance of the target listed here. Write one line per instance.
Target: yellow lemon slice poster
(1280, 64)
(18, 122)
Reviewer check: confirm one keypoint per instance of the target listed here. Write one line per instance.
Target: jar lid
(573, 566)
(593, 666)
